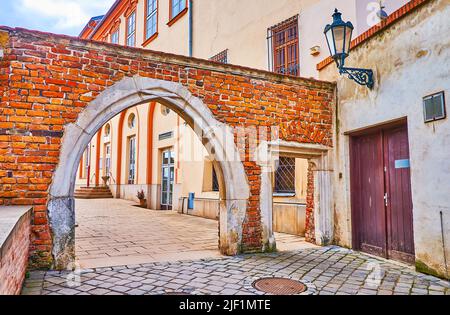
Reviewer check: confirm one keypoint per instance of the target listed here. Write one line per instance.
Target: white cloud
(66, 14)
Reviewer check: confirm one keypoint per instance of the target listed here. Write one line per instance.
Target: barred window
(285, 176)
(221, 57)
(283, 39)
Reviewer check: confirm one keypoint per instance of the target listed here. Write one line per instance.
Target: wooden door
(369, 215)
(381, 193)
(398, 192)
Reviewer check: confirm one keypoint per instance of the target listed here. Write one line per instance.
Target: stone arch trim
(124, 94)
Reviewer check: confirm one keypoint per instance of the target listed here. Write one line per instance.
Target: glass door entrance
(167, 179)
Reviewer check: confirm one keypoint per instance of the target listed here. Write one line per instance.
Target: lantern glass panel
(348, 39)
(338, 32)
(330, 42)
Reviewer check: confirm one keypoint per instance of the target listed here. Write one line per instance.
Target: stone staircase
(99, 192)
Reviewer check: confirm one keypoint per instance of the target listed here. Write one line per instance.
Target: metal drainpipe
(190, 28)
(443, 242)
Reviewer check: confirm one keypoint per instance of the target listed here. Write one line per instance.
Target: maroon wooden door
(381, 194)
(398, 193)
(369, 216)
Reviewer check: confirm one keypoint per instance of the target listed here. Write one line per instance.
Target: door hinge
(386, 199)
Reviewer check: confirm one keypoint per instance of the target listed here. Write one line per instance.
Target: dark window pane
(285, 175)
(215, 181)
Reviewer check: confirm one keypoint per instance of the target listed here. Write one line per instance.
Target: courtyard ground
(326, 271)
(123, 249)
(114, 232)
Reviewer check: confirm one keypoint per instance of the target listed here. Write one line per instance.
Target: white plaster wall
(411, 60)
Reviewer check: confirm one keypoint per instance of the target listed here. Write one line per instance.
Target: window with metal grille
(215, 180)
(151, 20)
(131, 30)
(434, 107)
(221, 57)
(285, 176)
(165, 136)
(284, 47)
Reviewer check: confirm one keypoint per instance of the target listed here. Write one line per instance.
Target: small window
(151, 21)
(132, 121)
(215, 180)
(165, 110)
(165, 136)
(285, 176)
(107, 130)
(115, 37)
(131, 30)
(176, 7)
(434, 107)
(221, 57)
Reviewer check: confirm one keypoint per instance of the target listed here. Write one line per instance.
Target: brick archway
(57, 91)
(124, 94)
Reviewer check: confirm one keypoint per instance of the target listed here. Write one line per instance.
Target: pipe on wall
(191, 18)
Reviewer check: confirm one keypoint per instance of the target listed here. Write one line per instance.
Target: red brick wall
(54, 77)
(14, 257)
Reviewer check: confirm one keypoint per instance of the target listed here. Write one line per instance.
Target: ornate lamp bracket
(360, 76)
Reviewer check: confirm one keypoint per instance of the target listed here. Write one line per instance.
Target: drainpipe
(443, 243)
(190, 27)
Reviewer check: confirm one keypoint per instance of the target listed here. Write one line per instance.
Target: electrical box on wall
(434, 107)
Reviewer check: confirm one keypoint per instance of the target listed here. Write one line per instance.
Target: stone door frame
(318, 157)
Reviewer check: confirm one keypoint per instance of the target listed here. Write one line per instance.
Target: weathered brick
(50, 81)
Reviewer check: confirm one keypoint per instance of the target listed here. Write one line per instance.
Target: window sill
(150, 39)
(284, 194)
(177, 17)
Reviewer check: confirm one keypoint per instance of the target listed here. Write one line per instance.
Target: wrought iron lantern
(339, 37)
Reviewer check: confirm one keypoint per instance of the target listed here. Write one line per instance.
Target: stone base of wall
(289, 218)
(15, 227)
(205, 208)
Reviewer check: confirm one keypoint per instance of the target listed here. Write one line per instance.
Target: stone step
(93, 193)
(94, 197)
(100, 192)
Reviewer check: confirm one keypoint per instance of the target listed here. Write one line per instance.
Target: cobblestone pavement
(327, 271)
(113, 232)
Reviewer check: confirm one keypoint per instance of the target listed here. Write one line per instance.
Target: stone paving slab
(113, 232)
(326, 271)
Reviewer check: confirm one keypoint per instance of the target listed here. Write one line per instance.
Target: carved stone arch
(129, 92)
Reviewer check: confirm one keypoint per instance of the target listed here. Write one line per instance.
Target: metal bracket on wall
(360, 76)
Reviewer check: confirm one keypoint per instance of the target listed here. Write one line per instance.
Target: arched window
(165, 110)
(132, 121)
(107, 130)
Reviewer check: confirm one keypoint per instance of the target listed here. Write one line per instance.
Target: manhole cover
(279, 286)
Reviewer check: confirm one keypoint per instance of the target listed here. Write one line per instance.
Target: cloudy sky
(56, 16)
